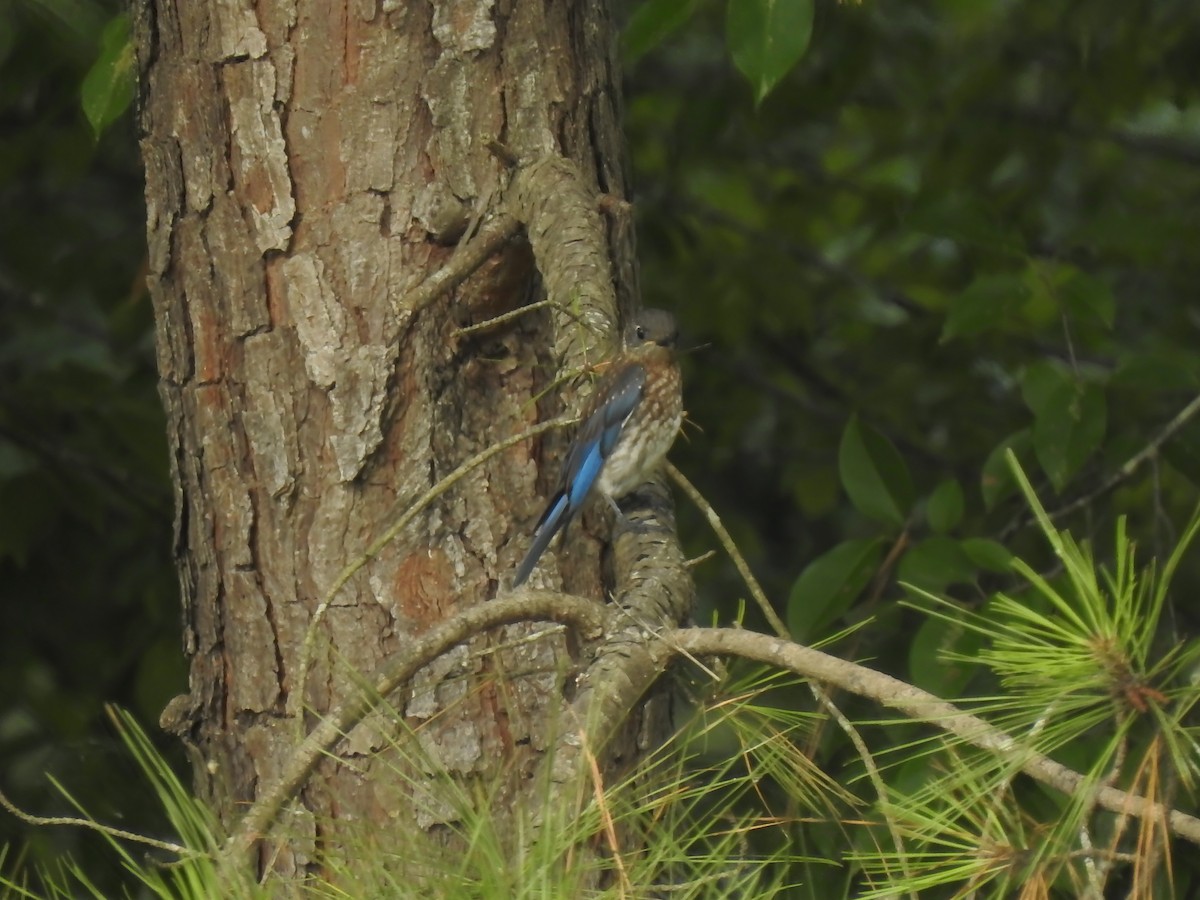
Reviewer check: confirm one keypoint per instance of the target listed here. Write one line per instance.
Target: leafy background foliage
(88, 599)
(950, 229)
(902, 237)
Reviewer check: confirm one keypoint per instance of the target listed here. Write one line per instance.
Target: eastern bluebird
(628, 426)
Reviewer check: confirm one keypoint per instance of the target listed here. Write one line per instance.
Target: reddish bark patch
(206, 331)
(422, 585)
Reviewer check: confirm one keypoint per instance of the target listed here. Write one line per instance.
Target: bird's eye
(640, 331)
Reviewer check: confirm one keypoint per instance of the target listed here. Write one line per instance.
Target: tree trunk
(308, 168)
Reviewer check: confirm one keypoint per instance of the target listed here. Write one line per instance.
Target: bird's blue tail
(582, 469)
(556, 517)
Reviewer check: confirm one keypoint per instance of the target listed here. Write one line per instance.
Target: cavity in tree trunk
(309, 167)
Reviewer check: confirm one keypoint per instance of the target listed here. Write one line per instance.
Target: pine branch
(921, 706)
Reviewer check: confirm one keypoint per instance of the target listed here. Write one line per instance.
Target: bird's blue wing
(615, 399)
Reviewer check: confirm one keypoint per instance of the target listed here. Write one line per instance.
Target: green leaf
(874, 474)
(1060, 290)
(829, 584)
(934, 564)
(651, 23)
(1069, 419)
(766, 38)
(927, 665)
(996, 481)
(987, 554)
(944, 509)
(108, 87)
(990, 302)
(1041, 382)
(1087, 298)
(1065, 444)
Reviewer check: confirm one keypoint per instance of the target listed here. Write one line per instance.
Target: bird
(628, 425)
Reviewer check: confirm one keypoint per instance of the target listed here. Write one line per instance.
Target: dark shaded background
(88, 597)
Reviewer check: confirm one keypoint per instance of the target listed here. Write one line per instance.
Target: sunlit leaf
(108, 88)
(766, 38)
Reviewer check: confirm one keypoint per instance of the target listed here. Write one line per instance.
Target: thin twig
(1095, 879)
(1098, 873)
(868, 761)
(879, 581)
(726, 540)
(107, 830)
(495, 321)
(1106, 855)
(466, 259)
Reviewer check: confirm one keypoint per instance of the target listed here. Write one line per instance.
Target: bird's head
(652, 326)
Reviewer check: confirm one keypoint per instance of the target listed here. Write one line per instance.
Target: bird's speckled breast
(648, 434)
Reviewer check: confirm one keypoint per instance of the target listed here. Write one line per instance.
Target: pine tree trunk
(308, 167)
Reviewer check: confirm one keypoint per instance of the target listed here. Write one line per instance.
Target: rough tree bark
(308, 167)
